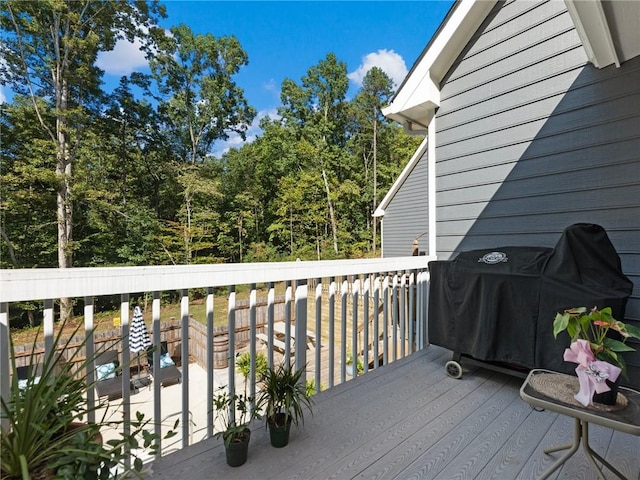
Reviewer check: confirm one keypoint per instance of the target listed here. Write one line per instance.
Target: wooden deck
(409, 420)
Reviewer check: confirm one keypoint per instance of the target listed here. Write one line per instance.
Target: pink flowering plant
(594, 327)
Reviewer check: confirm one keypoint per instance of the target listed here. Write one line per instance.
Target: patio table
(554, 392)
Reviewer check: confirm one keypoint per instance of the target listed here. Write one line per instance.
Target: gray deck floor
(409, 420)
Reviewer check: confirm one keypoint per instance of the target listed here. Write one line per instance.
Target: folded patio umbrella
(138, 336)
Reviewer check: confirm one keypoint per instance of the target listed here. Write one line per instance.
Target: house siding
(407, 215)
(532, 138)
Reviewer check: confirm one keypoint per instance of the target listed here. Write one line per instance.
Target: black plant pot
(610, 397)
(238, 450)
(279, 431)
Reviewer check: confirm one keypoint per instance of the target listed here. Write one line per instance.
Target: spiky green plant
(283, 396)
(47, 433)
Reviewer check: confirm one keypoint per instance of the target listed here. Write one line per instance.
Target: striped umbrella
(138, 336)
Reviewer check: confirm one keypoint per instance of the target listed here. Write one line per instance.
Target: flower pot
(238, 450)
(279, 431)
(610, 397)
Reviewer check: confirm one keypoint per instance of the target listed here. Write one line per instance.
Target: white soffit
(419, 96)
(609, 29)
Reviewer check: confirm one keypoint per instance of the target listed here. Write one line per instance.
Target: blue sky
(285, 39)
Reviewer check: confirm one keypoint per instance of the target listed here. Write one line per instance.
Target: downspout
(431, 180)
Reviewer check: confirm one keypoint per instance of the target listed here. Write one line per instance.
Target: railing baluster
(318, 333)
(231, 313)
(253, 301)
(301, 327)
(157, 404)
(5, 360)
(271, 300)
(365, 319)
(90, 355)
(47, 321)
(343, 329)
(354, 324)
(184, 357)
(210, 360)
(126, 372)
(394, 317)
(412, 312)
(332, 319)
(287, 321)
(385, 325)
(403, 314)
(376, 320)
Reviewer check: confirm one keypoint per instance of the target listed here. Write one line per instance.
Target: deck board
(409, 420)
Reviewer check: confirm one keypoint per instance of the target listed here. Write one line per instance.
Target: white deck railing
(378, 299)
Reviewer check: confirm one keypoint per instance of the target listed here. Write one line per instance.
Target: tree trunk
(332, 216)
(63, 195)
(375, 177)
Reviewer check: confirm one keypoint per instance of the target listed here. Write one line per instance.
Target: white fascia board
(401, 178)
(592, 28)
(419, 95)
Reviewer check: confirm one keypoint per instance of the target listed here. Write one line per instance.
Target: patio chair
(168, 373)
(26, 372)
(108, 378)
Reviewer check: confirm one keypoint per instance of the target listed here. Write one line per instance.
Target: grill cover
(498, 304)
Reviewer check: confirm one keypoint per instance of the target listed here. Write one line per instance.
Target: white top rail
(50, 283)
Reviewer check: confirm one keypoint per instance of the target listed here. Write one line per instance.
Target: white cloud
(125, 58)
(236, 141)
(387, 60)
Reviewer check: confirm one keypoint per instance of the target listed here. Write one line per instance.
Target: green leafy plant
(47, 432)
(233, 413)
(595, 327)
(243, 364)
(359, 363)
(283, 396)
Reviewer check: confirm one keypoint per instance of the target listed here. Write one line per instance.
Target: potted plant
(283, 398)
(233, 414)
(598, 355)
(47, 434)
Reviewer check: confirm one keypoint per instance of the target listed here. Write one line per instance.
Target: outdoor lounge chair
(108, 378)
(168, 373)
(28, 371)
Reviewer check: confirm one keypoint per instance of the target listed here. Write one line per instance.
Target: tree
(49, 51)
(317, 109)
(199, 104)
(376, 91)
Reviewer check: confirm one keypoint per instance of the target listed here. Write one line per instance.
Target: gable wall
(407, 215)
(531, 138)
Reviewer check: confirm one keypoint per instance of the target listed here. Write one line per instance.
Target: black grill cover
(498, 304)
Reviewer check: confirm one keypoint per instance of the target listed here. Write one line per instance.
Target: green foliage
(243, 364)
(233, 413)
(283, 396)
(136, 177)
(47, 429)
(595, 326)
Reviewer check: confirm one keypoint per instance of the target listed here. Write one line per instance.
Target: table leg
(590, 454)
(573, 448)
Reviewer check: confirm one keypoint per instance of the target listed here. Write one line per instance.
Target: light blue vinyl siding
(407, 216)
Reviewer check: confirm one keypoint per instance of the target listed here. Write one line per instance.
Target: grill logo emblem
(493, 258)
